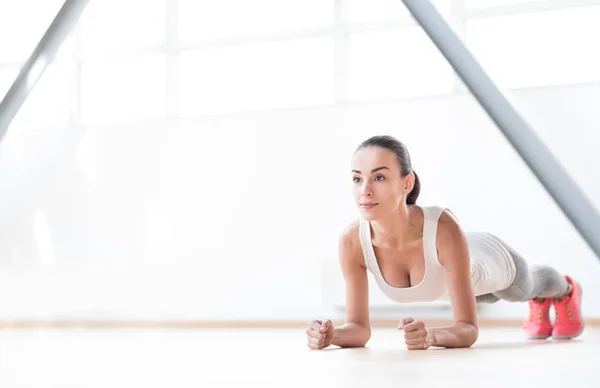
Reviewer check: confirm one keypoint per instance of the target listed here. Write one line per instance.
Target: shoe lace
(569, 314)
(536, 309)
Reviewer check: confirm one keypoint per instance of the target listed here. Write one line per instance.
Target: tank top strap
(364, 233)
(430, 226)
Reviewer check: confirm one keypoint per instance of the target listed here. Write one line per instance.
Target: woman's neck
(393, 230)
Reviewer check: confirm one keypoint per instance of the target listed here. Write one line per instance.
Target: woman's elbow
(472, 336)
(363, 339)
(366, 338)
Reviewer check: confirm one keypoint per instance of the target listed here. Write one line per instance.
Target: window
(110, 25)
(263, 76)
(22, 25)
(374, 10)
(396, 63)
(119, 64)
(48, 104)
(123, 90)
(202, 20)
(495, 3)
(559, 50)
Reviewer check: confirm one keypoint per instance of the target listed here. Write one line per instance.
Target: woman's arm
(454, 256)
(356, 331)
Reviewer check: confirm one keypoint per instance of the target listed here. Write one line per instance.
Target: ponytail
(414, 194)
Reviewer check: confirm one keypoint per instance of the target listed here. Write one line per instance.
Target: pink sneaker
(568, 323)
(538, 325)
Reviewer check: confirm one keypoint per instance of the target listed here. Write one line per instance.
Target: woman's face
(378, 187)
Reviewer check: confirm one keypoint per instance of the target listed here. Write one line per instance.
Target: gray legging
(539, 281)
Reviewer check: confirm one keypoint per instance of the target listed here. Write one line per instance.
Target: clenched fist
(319, 334)
(416, 336)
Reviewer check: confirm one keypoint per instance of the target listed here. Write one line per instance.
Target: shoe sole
(567, 337)
(539, 337)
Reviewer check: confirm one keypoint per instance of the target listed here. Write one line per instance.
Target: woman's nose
(365, 191)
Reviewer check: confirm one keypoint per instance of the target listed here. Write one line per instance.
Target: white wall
(237, 217)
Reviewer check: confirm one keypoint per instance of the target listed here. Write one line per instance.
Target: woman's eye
(379, 176)
(356, 179)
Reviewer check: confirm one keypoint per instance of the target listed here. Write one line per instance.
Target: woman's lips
(368, 205)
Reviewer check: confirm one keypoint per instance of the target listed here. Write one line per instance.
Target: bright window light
(123, 24)
(495, 3)
(252, 77)
(203, 20)
(22, 25)
(123, 90)
(395, 63)
(360, 11)
(48, 105)
(536, 49)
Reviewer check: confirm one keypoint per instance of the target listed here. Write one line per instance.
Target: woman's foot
(538, 325)
(568, 323)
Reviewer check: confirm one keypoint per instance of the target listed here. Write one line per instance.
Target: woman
(419, 254)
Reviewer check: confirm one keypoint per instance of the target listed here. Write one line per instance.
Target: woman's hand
(319, 334)
(416, 335)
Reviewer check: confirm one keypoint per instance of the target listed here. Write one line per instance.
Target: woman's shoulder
(349, 241)
(448, 226)
(450, 236)
(350, 233)
(441, 213)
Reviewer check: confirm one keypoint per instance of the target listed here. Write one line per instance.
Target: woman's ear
(409, 182)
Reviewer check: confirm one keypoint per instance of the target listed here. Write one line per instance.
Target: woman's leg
(539, 281)
(543, 287)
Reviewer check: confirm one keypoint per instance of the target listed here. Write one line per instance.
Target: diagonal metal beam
(565, 192)
(39, 59)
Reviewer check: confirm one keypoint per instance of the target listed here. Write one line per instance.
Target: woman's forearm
(351, 335)
(459, 335)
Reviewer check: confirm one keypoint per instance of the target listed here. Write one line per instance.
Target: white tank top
(492, 266)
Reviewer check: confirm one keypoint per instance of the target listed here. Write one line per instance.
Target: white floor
(279, 358)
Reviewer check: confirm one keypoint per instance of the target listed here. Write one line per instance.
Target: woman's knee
(516, 293)
(516, 297)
